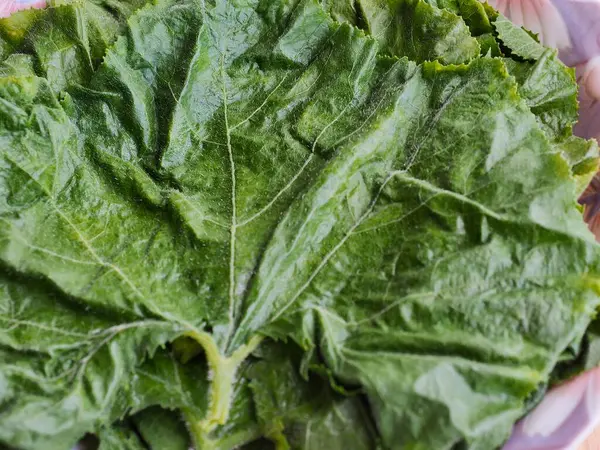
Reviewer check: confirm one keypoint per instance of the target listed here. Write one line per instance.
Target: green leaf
(517, 39)
(120, 437)
(237, 172)
(305, 414)
(478, 201)
(163, 381)
(583, 157)
(550, 90)
(18, 65)
(489, 45)
(592, 354)
(13, 29)
(64, 370)
(161, 429)
(413, 28)
(343, 10)
(472, 11)
(80, 33)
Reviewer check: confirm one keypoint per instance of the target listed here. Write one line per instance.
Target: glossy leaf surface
(216, 176)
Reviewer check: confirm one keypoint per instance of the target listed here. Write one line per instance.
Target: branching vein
(334, 250)
(298, 173)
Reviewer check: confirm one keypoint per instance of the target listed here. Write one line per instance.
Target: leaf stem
(223, 372)
(276, 436)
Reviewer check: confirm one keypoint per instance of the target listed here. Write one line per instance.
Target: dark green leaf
(162, 430)
(120, 437)
(489, 45)
(305, 414)
(592, 355)
(234, 171)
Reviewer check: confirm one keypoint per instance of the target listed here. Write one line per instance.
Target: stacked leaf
(335, 224)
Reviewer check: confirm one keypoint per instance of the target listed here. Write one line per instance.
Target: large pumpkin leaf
(235, 171)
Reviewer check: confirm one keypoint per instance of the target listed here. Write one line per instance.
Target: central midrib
(233, 228)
